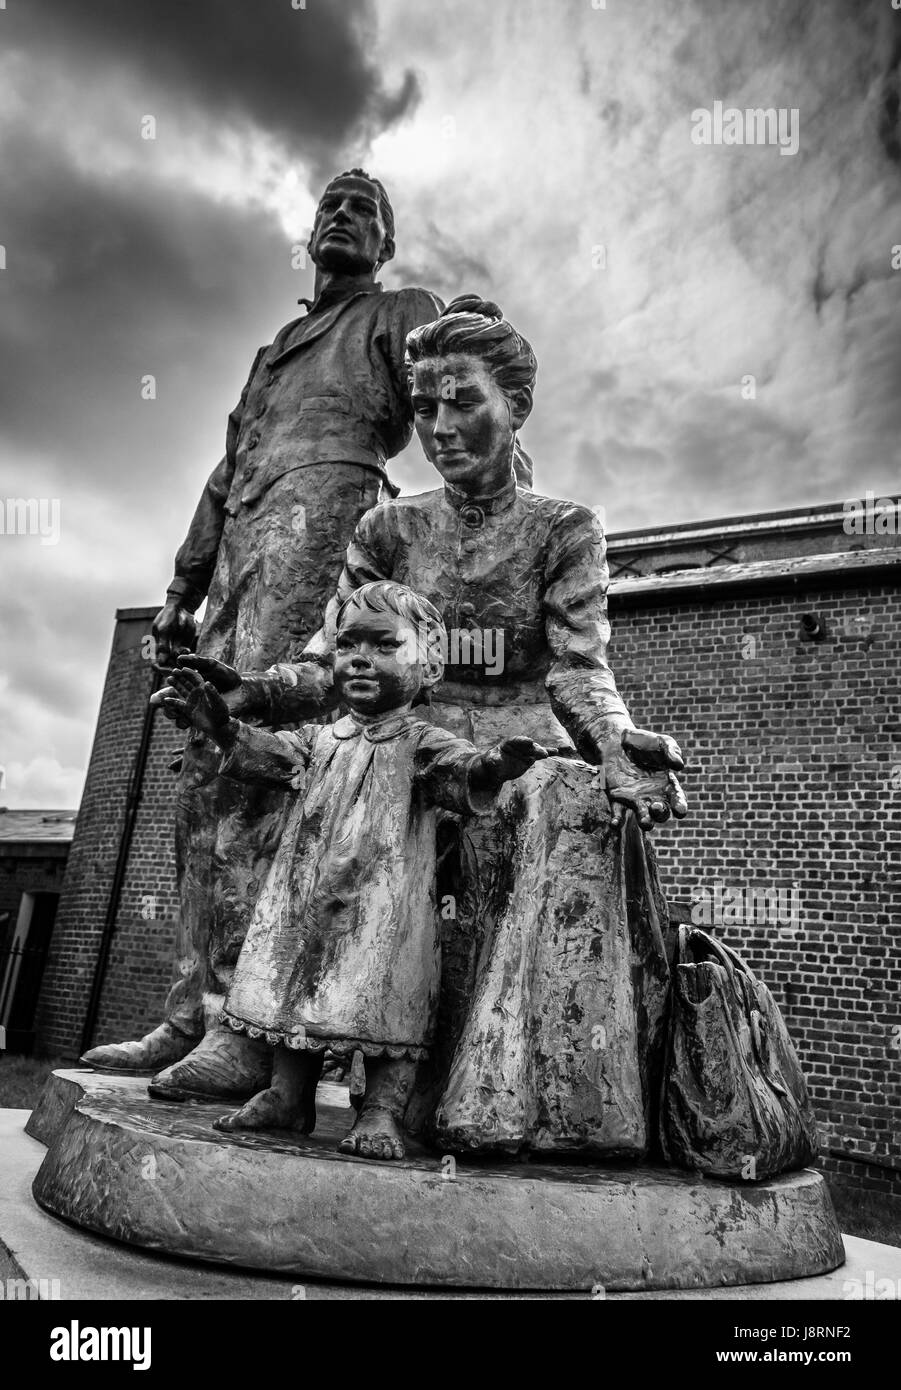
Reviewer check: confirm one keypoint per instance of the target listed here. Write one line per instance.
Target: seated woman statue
(554, 930)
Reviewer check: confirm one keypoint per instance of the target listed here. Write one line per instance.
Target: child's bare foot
(375, 1134)
(266, 1110)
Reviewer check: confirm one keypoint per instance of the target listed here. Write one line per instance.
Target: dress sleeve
(271, 760)
(301, 689)
(442, 768)
(580, 683)
(195, 560)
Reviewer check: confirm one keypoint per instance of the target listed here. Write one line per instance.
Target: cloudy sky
(517, 137)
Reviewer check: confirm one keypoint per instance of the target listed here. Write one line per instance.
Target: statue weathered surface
(547, 1010)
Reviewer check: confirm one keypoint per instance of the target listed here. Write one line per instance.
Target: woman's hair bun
(476, 327)
(474, 304)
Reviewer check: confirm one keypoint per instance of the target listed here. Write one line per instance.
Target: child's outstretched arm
(504, 762)
(453, 773)
(249, 755)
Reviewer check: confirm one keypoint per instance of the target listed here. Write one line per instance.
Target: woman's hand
(639, 772)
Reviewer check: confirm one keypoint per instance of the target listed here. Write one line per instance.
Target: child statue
(342, 952)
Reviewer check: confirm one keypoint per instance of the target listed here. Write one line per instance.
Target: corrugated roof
(33, 827)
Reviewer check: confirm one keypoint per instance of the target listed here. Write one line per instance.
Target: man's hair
(386, 596)
(475, 327)
(384, 201)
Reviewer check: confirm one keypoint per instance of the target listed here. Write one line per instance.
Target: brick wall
(794, 751)
(140, 962)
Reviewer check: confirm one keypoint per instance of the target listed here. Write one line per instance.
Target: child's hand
(198, 703)
(516, 755)
(505, 762)
(225, 679)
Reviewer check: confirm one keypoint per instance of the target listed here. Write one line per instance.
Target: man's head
(389, 646)
(354, 228)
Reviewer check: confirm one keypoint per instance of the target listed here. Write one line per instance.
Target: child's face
(373, 667)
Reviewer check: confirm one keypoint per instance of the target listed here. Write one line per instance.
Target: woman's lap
(558, 1027)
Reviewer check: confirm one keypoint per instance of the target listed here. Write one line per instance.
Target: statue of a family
(413, 808)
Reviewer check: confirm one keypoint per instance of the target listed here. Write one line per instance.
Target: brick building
(766, 645)
(34, 846)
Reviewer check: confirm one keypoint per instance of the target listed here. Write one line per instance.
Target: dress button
(469, 546)
(253, 441)
(260, 410)
(472, 515)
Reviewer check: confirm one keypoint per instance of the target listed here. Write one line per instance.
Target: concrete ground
(34, 1245)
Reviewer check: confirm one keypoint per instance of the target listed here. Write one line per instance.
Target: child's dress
(343, 949)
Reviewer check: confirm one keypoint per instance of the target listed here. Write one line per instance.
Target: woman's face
(464, 421)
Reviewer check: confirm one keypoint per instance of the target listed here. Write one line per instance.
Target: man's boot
(223, 1066)
(160, 1048)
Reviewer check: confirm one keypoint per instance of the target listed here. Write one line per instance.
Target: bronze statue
(324, 408)
(342, 952)
(558, 940)
(464, 892)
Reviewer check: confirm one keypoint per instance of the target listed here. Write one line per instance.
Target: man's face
(349, 233)
(376, 661)
(463, 419)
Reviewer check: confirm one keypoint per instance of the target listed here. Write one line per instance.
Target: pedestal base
(157, 1175)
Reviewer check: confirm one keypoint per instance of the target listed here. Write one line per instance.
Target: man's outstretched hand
(195, 703)
(639, 770)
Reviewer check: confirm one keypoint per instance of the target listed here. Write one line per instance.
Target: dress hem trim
(342, 1047)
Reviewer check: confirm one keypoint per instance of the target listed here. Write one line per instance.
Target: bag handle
(729, 959)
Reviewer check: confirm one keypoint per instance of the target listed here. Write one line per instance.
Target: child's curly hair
(386, 596)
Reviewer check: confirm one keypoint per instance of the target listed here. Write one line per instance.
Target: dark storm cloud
(107, 281)
(301, 74)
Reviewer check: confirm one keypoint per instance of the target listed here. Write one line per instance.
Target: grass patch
(862, 1212)
(22, 1079)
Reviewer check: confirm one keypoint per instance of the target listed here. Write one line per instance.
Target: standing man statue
(324, 408)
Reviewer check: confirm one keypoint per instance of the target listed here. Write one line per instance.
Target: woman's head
(471, 378)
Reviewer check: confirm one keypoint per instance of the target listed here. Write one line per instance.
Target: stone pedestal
(157, 1175)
